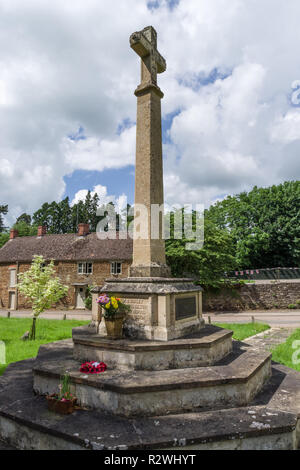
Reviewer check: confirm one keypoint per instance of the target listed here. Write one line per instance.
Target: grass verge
(244, 330)
(47, 331)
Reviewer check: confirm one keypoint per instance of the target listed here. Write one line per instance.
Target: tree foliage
(3, 211)
(40, 285)
(207, 264)
(264, 224)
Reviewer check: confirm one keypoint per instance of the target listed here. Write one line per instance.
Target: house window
(12, 278)
(116, 267)
(85, 268)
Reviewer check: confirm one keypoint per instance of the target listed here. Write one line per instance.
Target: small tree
(42, 287)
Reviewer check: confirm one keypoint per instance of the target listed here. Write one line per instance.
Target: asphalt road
(284, 318)
(274, 318)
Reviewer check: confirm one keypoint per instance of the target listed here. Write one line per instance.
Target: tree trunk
(32, 330)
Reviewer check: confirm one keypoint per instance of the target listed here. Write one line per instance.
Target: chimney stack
(83, 230)
(13, 234)
(42, 230)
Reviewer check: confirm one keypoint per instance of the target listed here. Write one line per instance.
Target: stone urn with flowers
(114, 312)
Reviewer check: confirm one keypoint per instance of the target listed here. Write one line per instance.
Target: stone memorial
(171, 382)
(162, 308)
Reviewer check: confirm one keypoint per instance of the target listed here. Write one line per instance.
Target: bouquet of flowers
(112, 306)
(93, 367)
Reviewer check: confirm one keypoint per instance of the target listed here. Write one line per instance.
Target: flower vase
(114, 326)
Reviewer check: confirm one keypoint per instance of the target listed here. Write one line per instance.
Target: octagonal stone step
(151, 393)
(205, 348)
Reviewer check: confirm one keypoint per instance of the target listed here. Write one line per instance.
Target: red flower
(93, 367)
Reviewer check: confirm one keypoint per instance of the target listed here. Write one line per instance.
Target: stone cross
(144, 43)
(149, 258)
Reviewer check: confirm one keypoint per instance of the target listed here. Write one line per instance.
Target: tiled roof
(66, 247)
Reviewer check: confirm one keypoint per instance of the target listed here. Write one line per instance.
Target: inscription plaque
(185, 307)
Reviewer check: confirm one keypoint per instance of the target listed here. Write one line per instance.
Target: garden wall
(261, 295)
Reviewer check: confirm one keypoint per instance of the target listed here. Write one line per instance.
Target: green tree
(264, 224)
(24, 218)
(3, 211)
(4, 237)
(210, 263)
(25, 230)
(40, 285)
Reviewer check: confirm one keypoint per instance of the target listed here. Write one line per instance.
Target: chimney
(13, 234)
(83, 230)
(42, 230)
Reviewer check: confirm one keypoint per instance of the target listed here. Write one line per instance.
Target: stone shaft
(149, 258)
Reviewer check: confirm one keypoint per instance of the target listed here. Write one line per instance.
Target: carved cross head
(144, 43)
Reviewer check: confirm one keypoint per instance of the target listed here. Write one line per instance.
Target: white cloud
(104, 198)
(68, 64)
(95, 154)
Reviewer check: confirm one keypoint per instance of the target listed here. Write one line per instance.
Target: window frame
(114, 271)
(15, 277)
(84, 268)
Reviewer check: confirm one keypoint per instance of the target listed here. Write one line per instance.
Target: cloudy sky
(231, 116)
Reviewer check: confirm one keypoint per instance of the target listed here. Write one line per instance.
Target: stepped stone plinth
(205, 348)
(159, 392)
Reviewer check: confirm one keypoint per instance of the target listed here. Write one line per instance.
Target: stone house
(81, 260)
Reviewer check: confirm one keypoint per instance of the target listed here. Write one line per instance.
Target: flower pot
(114, 326)
(61, 407)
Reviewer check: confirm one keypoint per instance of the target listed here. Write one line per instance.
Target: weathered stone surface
(205, 348)
(149, 257)
(149, 285)
(234, 383)
(266, 424)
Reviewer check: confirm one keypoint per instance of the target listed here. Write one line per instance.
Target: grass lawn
(284, 352)
(244, 330)
(47, 331)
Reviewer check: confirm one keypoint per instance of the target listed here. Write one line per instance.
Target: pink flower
(103, 299)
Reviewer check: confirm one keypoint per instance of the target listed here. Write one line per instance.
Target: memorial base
(161, 308)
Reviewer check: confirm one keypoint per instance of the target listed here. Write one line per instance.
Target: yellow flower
(107, 305)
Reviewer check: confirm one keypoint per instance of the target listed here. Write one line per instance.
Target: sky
(230, 114)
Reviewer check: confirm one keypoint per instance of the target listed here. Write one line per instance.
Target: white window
(12, 278)
(85, 268)
(116, 267)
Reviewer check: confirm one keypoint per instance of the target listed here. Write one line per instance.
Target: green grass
(47, 331)
(284, 352)
(244, 330)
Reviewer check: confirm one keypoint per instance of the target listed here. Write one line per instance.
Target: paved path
(289, 319)
(269, 339)
(52, 314)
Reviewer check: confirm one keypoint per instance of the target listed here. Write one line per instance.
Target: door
(80, 297)
(12, 301)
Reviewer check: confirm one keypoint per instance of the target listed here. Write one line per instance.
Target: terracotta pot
(114, 326)
(61, 407)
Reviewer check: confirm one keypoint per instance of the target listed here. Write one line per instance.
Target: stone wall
(269, 295)
(67, 271)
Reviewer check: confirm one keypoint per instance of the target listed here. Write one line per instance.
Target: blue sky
(231, 115)
(118, 181)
